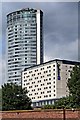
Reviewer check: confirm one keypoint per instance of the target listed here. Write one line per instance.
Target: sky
(60, 29)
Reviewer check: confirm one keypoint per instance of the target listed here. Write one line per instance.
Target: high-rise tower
(24, 41)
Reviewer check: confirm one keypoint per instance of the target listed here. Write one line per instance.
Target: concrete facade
(47, 82)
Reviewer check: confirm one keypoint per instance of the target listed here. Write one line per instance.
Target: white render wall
(39, 80)
(42, 82)
(38, 35)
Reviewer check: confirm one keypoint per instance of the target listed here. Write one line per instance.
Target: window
(39, 81)
(68, 70)
(39, 96)
(45, 87)
(30, 86)
(70, 66)
(36, 77)
(33, 90)
(48, 83)
(49, 67)
(25, 80)
(36, 85)
(33, 97)
(42, 68)
(53, 73)
(30, 79)
(33, 82)
(48, 91)
(49, 86)
(27, 83)
(42, 92)
(39, 88)
(36, 93)
(25, 73)
(30, 94)
(41, 76)
(42, 84)
(49, 75)
(45, 95)
(30, 71)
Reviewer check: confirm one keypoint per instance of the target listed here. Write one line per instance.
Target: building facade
(47, 82)
(24, 41)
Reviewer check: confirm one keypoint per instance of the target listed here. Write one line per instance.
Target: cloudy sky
(60, 26)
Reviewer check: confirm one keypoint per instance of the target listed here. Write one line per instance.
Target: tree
(74, 86)
(0, 99)
(14, 97)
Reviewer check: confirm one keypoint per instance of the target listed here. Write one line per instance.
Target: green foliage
(65, 102)
(74, 86)
(0, 99)
(48, 107)
(14, 97)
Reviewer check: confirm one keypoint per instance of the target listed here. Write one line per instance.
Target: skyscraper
(24, 41)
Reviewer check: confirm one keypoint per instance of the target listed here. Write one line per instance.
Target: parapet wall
(41, 115)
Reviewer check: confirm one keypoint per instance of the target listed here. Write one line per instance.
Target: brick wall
(41, 115)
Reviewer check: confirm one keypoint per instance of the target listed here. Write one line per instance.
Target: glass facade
(22, 42)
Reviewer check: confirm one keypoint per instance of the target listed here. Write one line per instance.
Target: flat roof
(63, 61)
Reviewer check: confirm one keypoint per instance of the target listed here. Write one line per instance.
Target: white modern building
(47, 82)
(24, 41)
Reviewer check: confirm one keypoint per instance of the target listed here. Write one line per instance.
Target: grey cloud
(63, 20)
(67, 51)
(60, 20)
(61, 29)
(40, 1)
